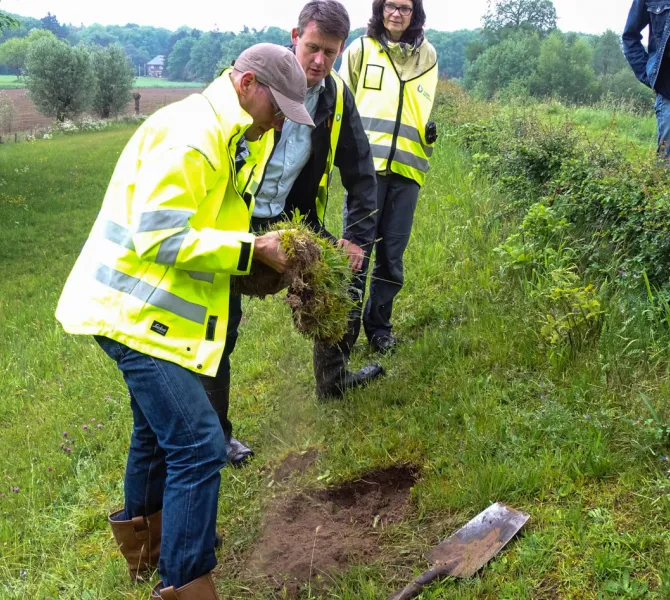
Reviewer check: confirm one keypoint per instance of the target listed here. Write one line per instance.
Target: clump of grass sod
(318, 281)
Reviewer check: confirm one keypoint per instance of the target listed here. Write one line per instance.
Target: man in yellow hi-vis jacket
(152, 285)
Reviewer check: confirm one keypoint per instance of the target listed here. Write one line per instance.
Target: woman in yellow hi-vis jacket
(152, 284)
(393, 73)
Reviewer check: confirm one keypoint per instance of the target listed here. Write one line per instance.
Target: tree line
(191, 54)
(518, 52)
(521, 52)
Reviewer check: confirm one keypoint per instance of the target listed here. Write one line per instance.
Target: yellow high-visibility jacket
(394, 110)
(155, 271)
(335, 129)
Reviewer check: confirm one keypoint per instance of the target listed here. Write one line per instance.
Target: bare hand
(354, 253)
(269, 251)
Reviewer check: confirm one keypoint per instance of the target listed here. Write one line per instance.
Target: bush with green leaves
(624, 87)
(595, 220)
(62, 80)
(114, 81)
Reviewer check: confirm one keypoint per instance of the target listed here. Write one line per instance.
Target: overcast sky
(588, 16)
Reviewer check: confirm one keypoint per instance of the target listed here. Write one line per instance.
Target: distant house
(155, 67)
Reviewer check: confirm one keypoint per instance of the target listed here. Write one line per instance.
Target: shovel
(470, 548)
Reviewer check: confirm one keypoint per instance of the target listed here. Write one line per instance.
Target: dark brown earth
(152, 99)
(316, 533)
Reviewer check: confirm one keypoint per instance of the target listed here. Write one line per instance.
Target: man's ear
(295, 36)
(341, 49)
(247, 81)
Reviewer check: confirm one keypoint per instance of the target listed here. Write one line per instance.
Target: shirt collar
(318, 87)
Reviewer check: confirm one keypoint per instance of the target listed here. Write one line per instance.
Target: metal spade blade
(470, 548)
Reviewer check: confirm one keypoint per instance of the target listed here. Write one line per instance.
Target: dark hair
(330, 17)
(415, 30)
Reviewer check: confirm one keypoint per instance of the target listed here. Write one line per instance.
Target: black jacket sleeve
(354, 159)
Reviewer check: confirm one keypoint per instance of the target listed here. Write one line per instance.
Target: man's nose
(320, 58)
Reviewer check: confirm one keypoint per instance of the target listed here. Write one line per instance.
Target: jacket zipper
(251, 176)
(398, 120)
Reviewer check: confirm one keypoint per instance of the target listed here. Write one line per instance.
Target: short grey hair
(330, 17)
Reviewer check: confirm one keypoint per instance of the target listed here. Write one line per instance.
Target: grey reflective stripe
(400, 156)
(410, 160)
(379, 151)
(170, 247)
(206, 277)
(253, 188)
(151, 295)
(119, 235)
(405, 131)
(164, 219)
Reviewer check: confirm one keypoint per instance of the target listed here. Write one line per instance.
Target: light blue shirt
(289, 158)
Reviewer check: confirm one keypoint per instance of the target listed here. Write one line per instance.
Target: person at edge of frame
(652, 65)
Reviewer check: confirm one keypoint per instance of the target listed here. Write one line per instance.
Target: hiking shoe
(384, 344)
(351, 381)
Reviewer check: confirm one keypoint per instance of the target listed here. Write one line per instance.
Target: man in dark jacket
(291, 183)
(652, 65)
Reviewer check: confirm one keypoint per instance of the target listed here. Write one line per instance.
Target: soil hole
(315, 533)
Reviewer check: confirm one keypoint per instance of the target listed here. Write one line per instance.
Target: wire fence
(27, 120)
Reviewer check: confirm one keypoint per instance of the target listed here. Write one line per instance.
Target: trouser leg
(330, 360)
(187, 429)
(662, 107)
(393, 232)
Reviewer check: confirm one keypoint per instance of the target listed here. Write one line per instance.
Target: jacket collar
(223, 98)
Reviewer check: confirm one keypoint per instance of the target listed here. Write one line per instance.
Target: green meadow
(471, 399)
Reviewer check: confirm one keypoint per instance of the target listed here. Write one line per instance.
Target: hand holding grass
(268, 250)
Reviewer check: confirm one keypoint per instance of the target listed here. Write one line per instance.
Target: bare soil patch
(313, 534)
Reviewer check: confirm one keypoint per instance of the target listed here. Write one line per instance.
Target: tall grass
(471, 397)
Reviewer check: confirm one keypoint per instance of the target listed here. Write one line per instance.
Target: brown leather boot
(139, 541)
(199, 589)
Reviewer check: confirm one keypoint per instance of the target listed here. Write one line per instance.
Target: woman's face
(397, 17)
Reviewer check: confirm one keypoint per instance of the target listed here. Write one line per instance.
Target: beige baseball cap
(279, 69)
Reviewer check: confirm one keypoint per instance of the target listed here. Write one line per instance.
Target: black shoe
(238, 454)
(351, 381)
(218, 541)
(384, 344)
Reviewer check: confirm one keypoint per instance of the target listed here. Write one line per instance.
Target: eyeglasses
(278, 114)
(390, 8)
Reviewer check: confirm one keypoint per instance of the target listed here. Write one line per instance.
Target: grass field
(10, 82)
(155, 82)
(470, 398)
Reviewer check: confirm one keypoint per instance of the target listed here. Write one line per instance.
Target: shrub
(114, 80)
(62, 81)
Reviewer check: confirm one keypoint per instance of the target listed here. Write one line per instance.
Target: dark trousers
(330, 360)
(397, 197)
(218, 388)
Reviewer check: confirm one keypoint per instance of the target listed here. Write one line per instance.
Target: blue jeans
(177, 451)
(663, 119)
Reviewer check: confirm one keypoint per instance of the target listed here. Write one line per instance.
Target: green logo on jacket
(422, 91)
